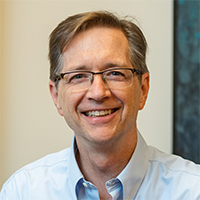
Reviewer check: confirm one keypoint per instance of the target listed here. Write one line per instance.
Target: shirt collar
(134, 173)
(131, 177)
(74, 172)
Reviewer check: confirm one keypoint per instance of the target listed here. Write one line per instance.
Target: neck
(100, 163)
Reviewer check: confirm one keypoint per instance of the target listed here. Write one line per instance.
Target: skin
(105, 143)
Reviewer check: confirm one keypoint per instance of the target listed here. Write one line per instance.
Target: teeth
(99, 113)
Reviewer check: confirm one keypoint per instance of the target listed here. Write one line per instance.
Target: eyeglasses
(114, 78)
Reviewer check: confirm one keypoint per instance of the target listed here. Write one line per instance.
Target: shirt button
(85, 184)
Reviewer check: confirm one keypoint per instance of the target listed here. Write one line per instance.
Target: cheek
(69, 103)
(131, 102)
(68, 106)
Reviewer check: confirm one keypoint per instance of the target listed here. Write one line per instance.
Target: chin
(102, 137)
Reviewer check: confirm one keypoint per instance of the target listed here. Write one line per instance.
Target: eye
(77, 77)
(115, 74)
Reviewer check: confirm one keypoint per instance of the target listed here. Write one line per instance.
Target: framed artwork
(187, 79)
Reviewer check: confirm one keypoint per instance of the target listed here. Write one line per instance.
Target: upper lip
(98, 109)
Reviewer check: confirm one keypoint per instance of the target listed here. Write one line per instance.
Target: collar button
(85, 184)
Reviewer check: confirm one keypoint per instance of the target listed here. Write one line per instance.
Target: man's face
(116, 110)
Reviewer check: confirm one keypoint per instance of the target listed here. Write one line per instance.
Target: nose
(98, 89)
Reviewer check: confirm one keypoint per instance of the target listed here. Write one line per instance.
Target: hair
(65, 32)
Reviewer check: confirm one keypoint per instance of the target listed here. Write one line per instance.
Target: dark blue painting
(187, 79)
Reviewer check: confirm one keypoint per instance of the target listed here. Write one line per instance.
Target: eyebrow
(113, 65)
(104, 67)
(78, 68)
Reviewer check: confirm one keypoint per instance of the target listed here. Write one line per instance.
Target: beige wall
(31, 127)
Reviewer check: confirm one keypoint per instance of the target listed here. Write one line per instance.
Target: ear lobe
(144, 90)
(54, 95)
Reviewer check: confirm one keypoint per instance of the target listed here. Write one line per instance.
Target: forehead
(96, 46)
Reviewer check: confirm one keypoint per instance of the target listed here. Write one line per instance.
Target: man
(99, 82)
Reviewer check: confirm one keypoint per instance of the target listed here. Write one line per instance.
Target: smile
(101, 113)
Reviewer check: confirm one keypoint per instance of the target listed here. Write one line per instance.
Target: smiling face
(100, 114)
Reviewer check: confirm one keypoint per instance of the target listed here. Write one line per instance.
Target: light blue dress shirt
(149, 175)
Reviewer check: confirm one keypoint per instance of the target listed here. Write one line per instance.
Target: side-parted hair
(65, 32)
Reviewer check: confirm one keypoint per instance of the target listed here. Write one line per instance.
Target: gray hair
(73, 25)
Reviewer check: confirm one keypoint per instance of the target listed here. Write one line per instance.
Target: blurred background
(30, 125)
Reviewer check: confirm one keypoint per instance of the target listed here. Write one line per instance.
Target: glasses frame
(61, 75)
(133, 70)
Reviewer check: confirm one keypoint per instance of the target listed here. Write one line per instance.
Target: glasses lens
(78, 81)
(119, 78)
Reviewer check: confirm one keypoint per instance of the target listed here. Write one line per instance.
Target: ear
(55, 96)
(144, 90)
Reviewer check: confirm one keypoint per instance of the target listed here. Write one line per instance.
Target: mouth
(101, 113)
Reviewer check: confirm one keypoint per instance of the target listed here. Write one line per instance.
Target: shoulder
(51, 167)
(173, 163)
(57, 159)
(171, 177)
